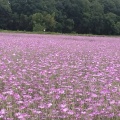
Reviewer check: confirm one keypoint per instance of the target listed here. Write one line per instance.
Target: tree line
(64, 16)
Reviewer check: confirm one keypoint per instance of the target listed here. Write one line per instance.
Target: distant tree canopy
(66, 16)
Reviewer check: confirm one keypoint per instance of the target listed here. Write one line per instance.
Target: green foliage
(118, 28)
(5, 12)
(66, 16)
(110, 21)
(96, 17)
(38, 22)
(43, 21)
(69, 25)
(4, 4)
(49, 21)
(38, 27)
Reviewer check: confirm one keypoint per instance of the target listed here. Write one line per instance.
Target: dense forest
(65, 16)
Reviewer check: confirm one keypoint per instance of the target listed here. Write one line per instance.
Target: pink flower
(65, 109)
(112, 102)
(70, 112)
(63, 105)
(94, 95)
(2, 111)
(49, 105)
(42, 106)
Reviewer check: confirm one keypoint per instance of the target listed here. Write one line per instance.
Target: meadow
(59, 77)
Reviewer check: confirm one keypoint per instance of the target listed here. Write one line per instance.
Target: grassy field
(54, 33)
(59, 77)
(27, 32)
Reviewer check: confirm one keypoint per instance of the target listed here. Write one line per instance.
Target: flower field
(55, 77)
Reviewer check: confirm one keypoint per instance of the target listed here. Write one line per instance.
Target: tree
(96, 17)
(43, 21)
(5, 14)
(49, 21)
(110, 20)
(118, 28)
(80, 16)
(24, 22)
(38, 22)
(69, 25)
(109, 5)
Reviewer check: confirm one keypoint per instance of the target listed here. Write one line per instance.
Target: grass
(42, 32)
(53, 33)
(28, 32)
